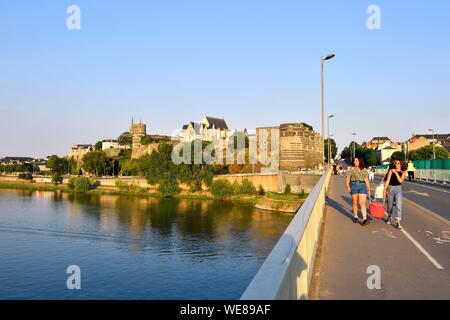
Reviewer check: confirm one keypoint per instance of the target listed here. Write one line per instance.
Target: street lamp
(354, 145)
(322, 59)
(434, 150)
(329, 142)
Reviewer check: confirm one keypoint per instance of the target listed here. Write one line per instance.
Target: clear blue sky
(255, 63)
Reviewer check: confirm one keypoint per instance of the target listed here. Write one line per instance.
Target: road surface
(414, 263)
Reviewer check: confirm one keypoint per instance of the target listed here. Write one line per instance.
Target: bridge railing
(287, 271)
(430, 175)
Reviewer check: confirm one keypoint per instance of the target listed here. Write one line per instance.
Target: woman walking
(371, 173)
(394, 180)
(359, 187)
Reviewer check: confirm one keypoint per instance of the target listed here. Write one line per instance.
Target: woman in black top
(395, 178)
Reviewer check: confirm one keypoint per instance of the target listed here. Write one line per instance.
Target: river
(130, 247)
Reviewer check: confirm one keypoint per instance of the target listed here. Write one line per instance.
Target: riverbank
(270, 201)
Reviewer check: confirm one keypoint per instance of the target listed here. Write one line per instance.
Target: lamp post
(434, 150)
(322, 59)
(354, 145)
(329, 146)
(329, 142)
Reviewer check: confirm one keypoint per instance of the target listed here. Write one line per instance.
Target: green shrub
(247, 187)
(261, 190)
(221, 189)
(71, 183)
(287, 189)
(236, 187)
(56, 178)
(168, 186)
(196, 186)
(302, 193)
(81, 184)
(25, 176)
(120, 184)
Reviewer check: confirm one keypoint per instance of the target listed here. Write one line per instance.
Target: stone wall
(299, 182)
(269, 181)
(143, 150)
(276, 182)
(300, 147)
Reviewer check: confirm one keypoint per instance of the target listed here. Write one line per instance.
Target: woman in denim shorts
(359, 187)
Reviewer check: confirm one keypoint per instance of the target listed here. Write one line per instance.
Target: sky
(255, 63)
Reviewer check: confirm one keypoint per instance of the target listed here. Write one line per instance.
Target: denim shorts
(358, 188)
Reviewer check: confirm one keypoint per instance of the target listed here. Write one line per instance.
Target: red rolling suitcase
(377, 209)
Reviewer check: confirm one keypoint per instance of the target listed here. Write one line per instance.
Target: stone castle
(139, 131)
(298, 146)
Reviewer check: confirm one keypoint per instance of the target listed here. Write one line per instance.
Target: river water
(130, 247)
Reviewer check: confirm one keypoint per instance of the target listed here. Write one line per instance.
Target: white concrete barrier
(287, 271)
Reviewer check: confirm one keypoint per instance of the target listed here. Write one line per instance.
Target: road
(429, 197)
(414, 262)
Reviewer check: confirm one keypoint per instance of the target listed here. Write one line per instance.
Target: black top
(394, 181)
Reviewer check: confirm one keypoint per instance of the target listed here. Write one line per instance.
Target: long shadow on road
(340, 208)
(347, 199)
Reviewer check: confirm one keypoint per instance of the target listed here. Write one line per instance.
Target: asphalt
(414, 263)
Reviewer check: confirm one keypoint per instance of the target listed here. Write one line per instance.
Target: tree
(222, 189)
(398, 155)
(368, 155)
(124, 139)
(98, 145)
(79, 184)
(247, 188)
(168, 185)
(153, 166)
(333, 149)
(56, 178)
(97, 163)
(25, 176)
(72, 166)
(426, 153)
(287, 189)
(58, 165)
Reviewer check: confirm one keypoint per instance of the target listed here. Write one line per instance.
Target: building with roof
(78, 151)
(418, 141)
(376, 142)
(113, 144)
(16, 160)
(207, 129)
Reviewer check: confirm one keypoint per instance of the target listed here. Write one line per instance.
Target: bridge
(324, 255)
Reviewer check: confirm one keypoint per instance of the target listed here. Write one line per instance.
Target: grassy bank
(31, 186)
(270, 201)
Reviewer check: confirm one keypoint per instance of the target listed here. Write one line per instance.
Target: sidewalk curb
(434, 215)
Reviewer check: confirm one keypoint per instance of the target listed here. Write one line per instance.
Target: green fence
(438, 164)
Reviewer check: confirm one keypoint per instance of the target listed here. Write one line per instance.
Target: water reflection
(225, 241)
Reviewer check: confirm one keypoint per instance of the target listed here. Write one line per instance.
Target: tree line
(369, 155)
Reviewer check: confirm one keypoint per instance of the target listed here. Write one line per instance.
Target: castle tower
(137, 131)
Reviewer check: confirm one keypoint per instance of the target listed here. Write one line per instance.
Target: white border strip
(421, 249)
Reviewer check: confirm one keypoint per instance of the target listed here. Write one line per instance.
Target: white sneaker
(388, 221)
(399, 225)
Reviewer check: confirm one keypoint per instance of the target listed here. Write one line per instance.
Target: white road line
(421, 249)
